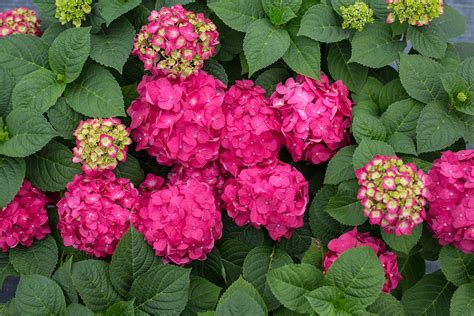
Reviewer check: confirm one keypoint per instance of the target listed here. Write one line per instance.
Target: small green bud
(462, 97)
(357, 16)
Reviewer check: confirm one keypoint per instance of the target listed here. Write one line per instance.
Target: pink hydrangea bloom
(19, 21)
(316, 117)
(273, 196)
(352, 239)
(181, 221)
(152, 183)
(252, 133)
(393, 194)
(179, 121)
(24, 219)
(95, 212)
(176, 42)
(451, 213)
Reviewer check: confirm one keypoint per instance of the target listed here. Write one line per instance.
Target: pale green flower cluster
(74, 11)
(416, 12)
(357, 16)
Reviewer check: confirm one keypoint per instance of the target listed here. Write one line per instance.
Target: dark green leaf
(39, 258)
(64, 119)
(340, 166)
(367, 149)
(457, 266)
(12, 173)
(112, 9)
(203, 295)
(38, 295)
(7, 83)
(386, 305)
(429, 40)
(241, 298)
(462, 303)
(365, 126)
(238, 14)
(321, 23)
(403, 243)
(402, 143)
(402, 117)
(62, 276)
(270, 78)
(130, 169)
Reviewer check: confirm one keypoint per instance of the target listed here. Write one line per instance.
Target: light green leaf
(462, 302)
(163, 290)
(39, 258)
(270, 78)
(294, 5)
(75, 309)
(429, 40)
(403, 243)
(132, 258)
(368, 149)
(375, 47)
(7, 83)
(12, 173)
(365, 126)
(112, 9)
(62, 276)
(51, 168)
(359, 274)
(264, 44)
(69, 52)
(95, 93)
(91, 279)
(457, 266)
(29, 132)
(64, 119)
(402, 117)
(321, 23)
(130, 169)
(323, 300)
(340, 166)
(238, 14)
(241, 298)
(38, 295)
(391, 92)
(386, 305)
(402, 143)
(420, 78)
(125, 308)
(452, 23)
(257, 264)
(203, 295)
(112, 47)
(437, 128)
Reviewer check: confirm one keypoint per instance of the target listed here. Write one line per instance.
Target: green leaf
(429, 297)
(294, 5)
(95, 93)
(359, 274)
(367, 107)
(466, 71)
(402, 117)
(12, 173)
(370, 91)
(314, 254)
(112, 47)
(420, 78)
(64, 119)
(257, 264)
(429, 40)
(38, 295)
(231, 41)
(457, 266)
(132, 258)
(340, 166)
(47, 9)
(437, 128)
(321, 23)
(211, 268)
(323, 300)
(468, 121)
(16, 54)
(213, 67)
(352, 74)
(37, 91)
(380, 8)
(403, 243)
(233, 253)
(386, 305)
(112, 9)
(52, 32)
(29, 132)
(299, 242)
(280, 15)
(203, 295)
(290, 283)
(75, 309)
(452, 23)
(392, 92)
(270, 78)
(346, 208)
(375, 47)
(40, 258)
(462, 302)
(451, 59)
(247, 234)
(402, 143)
(412, 269)
(69, 52)
(130, 169)
(303, 55)
(51, 168)
(241, 298)
(365, 126)
(124, 308)
(62, 276)
(264, 44)
(238, 14)
(368, 149)
(91, 279)
(7, 83)
(163, 290)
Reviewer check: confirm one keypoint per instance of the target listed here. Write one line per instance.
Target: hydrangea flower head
(393, 194)
(451, 213)
(252, 133)
(415, 12)
(19, 21)
(179, 121)
(176, 42)
(74, 11)
(101, 143)
(95, 212)
(24, 219)
(181, 221)
(273, 196)
(352, 239)
(357, 16)
(315, 115)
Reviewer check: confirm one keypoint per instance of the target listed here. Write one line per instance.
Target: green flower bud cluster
(416, 12)
(72, 11)
(357, 16)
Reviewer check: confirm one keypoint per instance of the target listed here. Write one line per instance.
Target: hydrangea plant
(236, 157)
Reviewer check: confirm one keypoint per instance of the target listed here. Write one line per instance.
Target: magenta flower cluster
(393, 194)
(273, 196)
(24, 219)
(95, 212)
(352, 239)
(180, 221)
(176, 42)
(451, 213)
(316, 117)
(19, 21)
